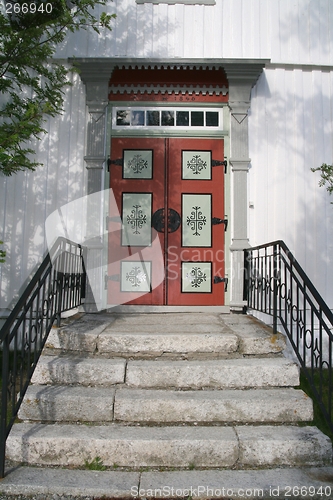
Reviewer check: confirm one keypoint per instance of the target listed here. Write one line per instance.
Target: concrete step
(226, 406)
(91, 404)
(168, 320)
(186, 374)
(313, 483)
(222, 373)
(57, 403)
(176, 447)
(157, 334)
(192, 409)
(79, 370)
(158, 343)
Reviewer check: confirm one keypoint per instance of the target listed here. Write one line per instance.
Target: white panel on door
(197, 220)
(136, 218)
(197, 165)
(196, 277)
(138, 164)
(135, 276)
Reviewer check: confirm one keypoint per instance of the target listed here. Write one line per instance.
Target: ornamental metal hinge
(218, 279)
(118, 161)
(219, 163)
(113, 277)
(112, 219)
(216, 221)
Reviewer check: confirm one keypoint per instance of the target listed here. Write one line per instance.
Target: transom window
(168, 118)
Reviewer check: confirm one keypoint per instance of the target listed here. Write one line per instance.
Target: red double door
(166, 222)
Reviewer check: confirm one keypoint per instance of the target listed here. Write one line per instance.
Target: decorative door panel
(169, 246)
(197, 217)
(136, 250)
(137, 164)
(196, 190)
(136, 215)
(197, 165)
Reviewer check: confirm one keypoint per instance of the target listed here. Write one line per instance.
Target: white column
(240, 85)
(97, 101)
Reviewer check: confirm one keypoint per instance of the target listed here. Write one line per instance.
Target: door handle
(158, 220)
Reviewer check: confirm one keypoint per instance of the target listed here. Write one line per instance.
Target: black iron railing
(57, 286)
(277, 285)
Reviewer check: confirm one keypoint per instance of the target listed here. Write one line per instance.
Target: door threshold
(167, 309)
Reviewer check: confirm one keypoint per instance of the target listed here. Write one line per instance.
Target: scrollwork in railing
(57, 286)
(278, 286)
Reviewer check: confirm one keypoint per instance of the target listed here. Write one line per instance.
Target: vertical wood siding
(28, 198)
(290, 128)
(294, 31)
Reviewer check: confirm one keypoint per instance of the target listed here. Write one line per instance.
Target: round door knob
(174, 220)
(158, 220)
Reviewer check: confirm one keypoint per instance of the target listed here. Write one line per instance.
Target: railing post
(83, 257)
(4, 404)
(275, 287)
(60, 273)
(246, 278)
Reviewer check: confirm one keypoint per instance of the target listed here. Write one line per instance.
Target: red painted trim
(181, 78)
(187, 98)
(170, 76)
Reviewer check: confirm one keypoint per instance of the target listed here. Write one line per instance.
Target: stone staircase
(171, 392)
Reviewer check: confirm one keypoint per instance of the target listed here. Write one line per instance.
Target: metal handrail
(57, 286)
(277, 285)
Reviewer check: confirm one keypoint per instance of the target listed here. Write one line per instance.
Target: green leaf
(32, 87)
(326, 176)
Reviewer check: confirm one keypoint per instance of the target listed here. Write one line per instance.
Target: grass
(95, 464)
(319, 420)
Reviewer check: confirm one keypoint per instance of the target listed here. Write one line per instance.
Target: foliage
(2, 254)
(31, 83)
(326, 172)
(320, 380)
(95, 464)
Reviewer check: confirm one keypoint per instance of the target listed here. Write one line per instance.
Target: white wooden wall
(290, 123)
(26, 199)
(291, 131)
(296, 31)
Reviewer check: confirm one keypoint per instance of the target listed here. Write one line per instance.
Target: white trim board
(186, 2)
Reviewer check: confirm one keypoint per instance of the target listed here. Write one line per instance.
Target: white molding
(173, 2)
(99, 69)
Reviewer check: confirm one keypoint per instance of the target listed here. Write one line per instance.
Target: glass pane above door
(170, 118)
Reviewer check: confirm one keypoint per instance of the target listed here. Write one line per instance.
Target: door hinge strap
(118, 161)
(218, 279)
(219, 163)
(113, 277)
(216, 221)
